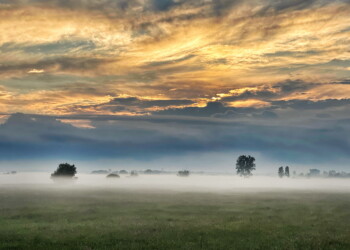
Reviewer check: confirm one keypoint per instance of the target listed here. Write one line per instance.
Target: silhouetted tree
(286, 171)
(65, 170)
(245, 165)
(150, 171)
(280, 172)
(183, 173)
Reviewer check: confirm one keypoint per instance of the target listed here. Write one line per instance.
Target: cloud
(133, 101)
(261, 96)
(289, 86)
(219, 110)
(211, 108)
(137, 105)
(266, 115)
(55, 65)
(345, 81)
(308, 104)
(163, 5)
(36, 71)
(142, 138)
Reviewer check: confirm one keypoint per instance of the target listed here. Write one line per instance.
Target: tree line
(245, 165)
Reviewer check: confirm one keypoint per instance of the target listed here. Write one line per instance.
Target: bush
(65, 170)
(113, 176)
(183, 173)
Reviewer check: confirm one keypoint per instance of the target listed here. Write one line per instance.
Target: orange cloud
(187, 51)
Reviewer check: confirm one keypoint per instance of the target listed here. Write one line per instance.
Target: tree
(280, 172)
(183, 173)
(65, 170)
(286, 171)
(245, 165)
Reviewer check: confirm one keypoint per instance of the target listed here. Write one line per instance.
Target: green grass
(33, 218)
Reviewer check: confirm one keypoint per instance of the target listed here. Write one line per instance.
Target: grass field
(101, 218)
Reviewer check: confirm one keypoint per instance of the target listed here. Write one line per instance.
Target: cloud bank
(144, 138)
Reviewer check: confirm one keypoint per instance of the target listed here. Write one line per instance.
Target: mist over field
(172, 212)
(171, 182)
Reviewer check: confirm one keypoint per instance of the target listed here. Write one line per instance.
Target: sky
(175, 83)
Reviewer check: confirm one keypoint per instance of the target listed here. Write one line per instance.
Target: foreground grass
(36, 218)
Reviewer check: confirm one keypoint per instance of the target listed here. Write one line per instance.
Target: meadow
(45, 216)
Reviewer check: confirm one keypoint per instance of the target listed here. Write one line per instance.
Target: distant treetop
(245, 165)
(183, 173)
(65, 170)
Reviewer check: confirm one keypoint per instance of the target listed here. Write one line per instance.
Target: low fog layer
(193, 183)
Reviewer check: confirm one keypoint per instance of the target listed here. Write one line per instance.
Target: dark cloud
(229, 114)
(221, 7)
(278, 90)
(308, 104)
(210, 109)
(71, 4)
(59, 47)
(345, 81)
(80, 64)
(297, 54)
(249, 94)
(163, 5)
(236, 114)
(219, 110)
(289, 86)
(40, 137)
(109, 7)
(134, 104)
(337, 63)
(133, 101)
(293, 4)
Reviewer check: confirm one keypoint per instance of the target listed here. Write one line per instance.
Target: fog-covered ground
(197, 183)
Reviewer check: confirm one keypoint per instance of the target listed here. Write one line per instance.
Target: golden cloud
(187, 51)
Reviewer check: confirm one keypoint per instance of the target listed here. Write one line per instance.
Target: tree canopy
(286, 171)
(183, 173)
(245, 165)
(280, 172)
(65, 170)
(113, 175)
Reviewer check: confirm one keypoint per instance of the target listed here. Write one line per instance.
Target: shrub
(183, 173)
(65, 170)
(113, 176)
